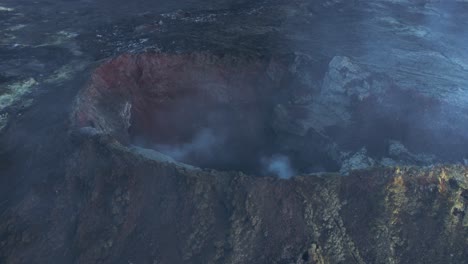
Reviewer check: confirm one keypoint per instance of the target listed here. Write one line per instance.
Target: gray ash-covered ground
(358, 102)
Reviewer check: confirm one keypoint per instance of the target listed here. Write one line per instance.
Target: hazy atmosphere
(232, 131)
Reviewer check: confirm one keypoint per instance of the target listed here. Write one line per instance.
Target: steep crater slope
(200, 109)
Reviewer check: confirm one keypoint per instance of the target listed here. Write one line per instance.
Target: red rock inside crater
(206, 110)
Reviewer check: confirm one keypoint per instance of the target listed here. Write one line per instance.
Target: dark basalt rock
(117, 206)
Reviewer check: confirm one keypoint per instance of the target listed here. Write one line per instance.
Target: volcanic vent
(200, 109)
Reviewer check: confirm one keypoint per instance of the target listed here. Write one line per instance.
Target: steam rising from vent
(278, 165)
(202, 147)
(205, 148)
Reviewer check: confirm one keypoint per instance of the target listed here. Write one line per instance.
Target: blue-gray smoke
(202, 145)
(278, 165)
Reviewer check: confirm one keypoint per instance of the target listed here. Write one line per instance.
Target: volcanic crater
(235, 113)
